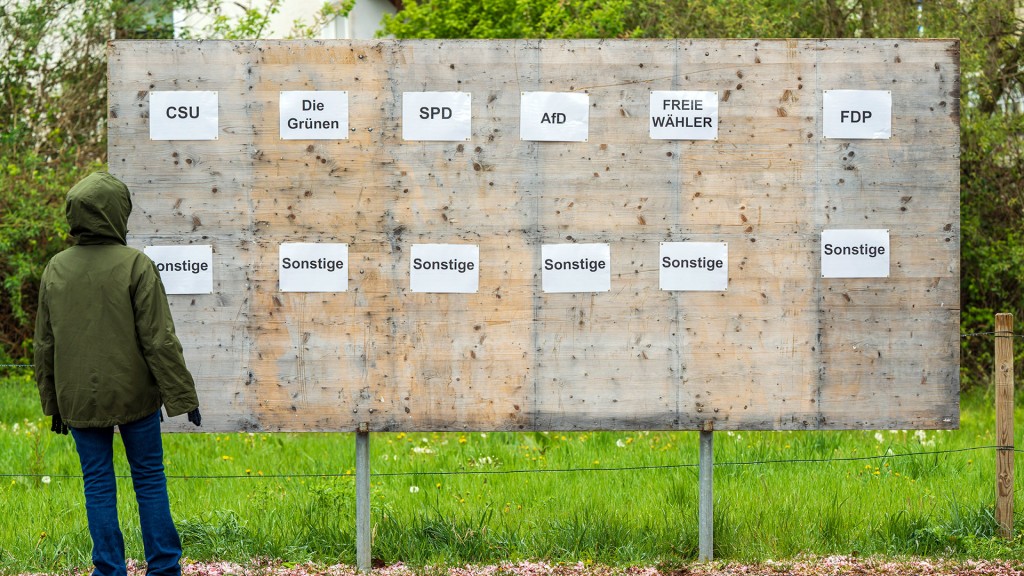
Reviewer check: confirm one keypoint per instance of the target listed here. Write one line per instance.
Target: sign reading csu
(183, 115)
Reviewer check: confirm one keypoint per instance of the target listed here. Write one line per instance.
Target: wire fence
(885, 456)
(556, 470)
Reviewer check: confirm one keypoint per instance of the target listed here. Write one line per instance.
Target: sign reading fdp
(857, 114)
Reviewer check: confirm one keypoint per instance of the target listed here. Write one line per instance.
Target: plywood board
(782, 348)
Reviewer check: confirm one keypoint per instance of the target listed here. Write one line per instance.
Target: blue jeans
(144, 448)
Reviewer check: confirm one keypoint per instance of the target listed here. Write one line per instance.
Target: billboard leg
(705, 518)
(363, 541)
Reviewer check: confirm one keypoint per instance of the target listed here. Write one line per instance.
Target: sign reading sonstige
(855, 253)
(437, 116)
(694, 266)
(314, 115)
(576, 267)
(445, 268)
(183, 115)
(307, 267)
(184, 269)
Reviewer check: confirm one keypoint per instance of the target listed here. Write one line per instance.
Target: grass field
(553, 496)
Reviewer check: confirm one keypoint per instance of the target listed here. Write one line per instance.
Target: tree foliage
(53, 107)
(511, 19)
(53, 82)
(991, 111)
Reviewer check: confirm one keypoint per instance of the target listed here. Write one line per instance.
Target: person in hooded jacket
(106, 355)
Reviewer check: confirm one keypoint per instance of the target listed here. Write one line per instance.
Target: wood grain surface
(782, 348)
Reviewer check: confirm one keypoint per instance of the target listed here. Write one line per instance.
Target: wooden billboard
(779, 347)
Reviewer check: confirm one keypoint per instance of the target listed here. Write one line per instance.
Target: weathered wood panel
(782, 348)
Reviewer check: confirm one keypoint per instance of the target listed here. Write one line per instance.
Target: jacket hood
(97, 209)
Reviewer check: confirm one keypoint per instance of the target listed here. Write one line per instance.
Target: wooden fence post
(1004, 424)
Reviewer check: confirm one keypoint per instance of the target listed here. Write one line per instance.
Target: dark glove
(58, 426)
(195, 417)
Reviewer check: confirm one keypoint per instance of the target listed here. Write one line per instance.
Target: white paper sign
(857, 114)
(184, 269)
(576, 267)
(306, 267)
(694, 266)
(684, 115)
(445, 268)
(183, 115)
(554, 116)
(438, 116)
(855, 253)
(314, 115)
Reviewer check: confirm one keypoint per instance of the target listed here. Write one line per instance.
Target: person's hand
(57, 425)
(195, 417)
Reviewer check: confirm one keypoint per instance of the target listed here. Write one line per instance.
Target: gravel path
(817, 566)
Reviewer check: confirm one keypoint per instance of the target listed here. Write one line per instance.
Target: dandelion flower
(46, 479)
(414, 489)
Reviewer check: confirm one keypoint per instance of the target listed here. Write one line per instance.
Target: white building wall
(361, 23)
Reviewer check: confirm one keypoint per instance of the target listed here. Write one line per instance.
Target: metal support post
(707, 501)
(363, 542)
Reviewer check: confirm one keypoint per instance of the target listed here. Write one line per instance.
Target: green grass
(239, 496)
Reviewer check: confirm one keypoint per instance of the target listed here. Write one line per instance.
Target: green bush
(32, 229)
(992, 229)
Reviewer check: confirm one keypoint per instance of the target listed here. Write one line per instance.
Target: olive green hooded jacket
(105, 348)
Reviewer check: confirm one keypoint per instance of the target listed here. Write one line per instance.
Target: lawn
(614, 498)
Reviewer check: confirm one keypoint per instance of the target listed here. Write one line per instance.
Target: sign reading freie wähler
(684, 115)
(749, 234)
